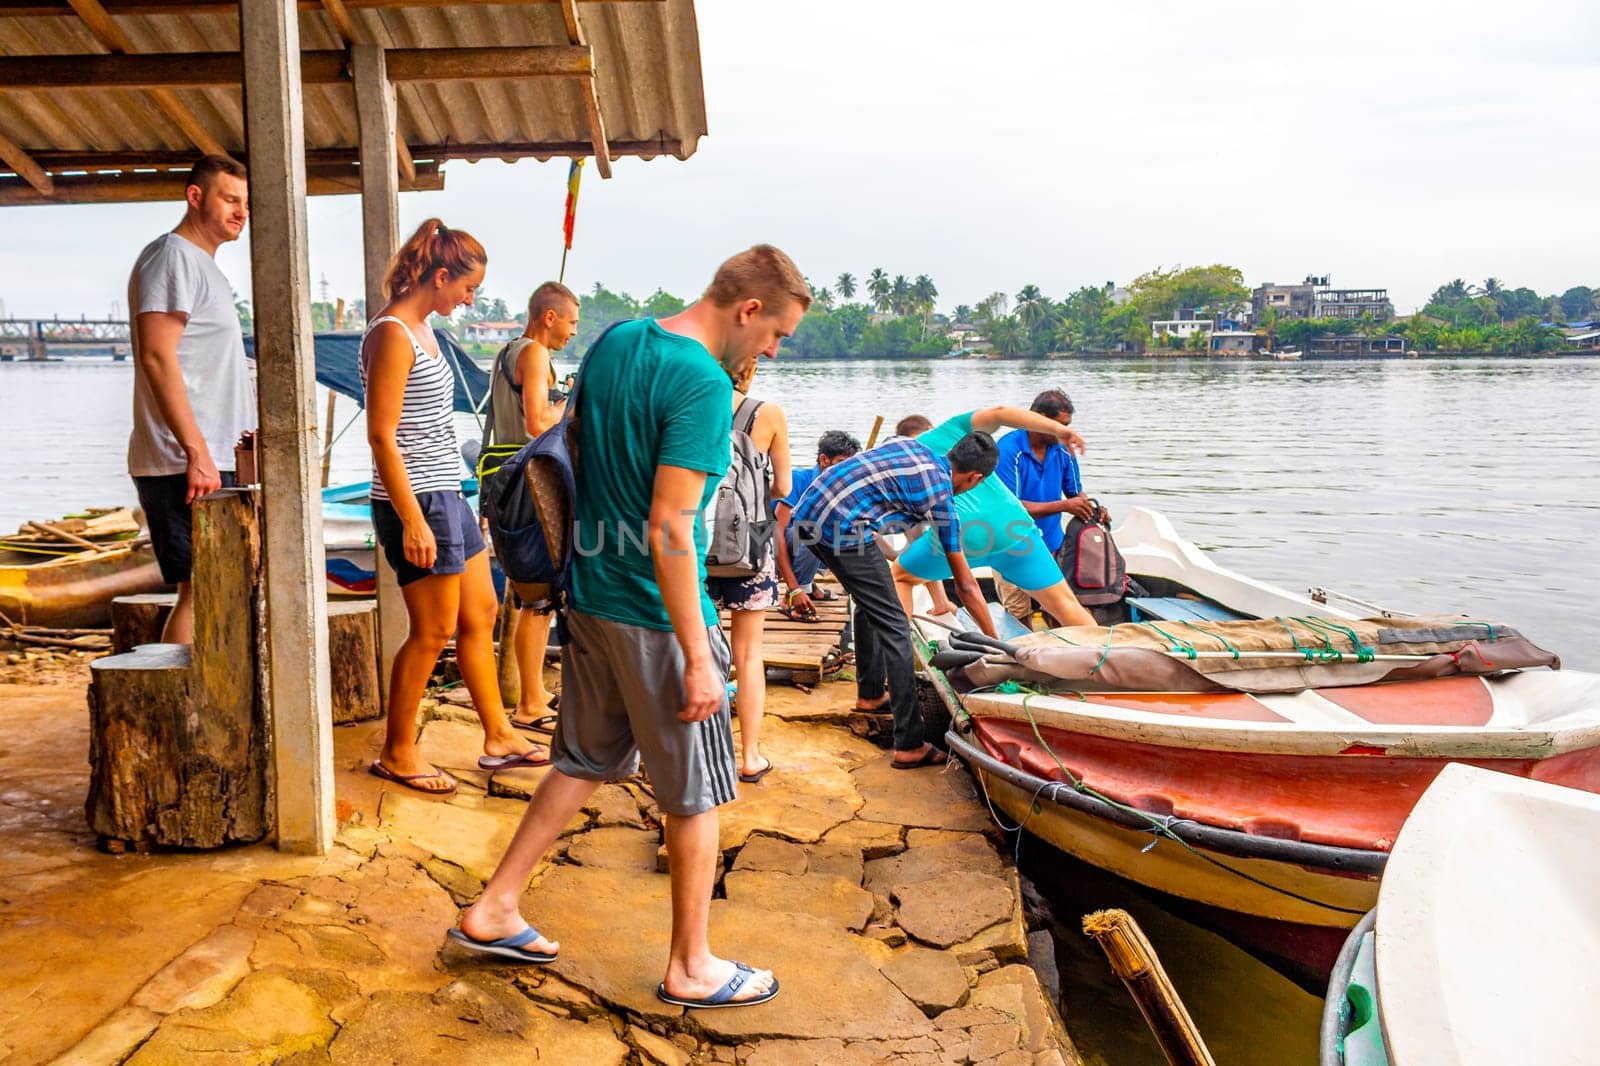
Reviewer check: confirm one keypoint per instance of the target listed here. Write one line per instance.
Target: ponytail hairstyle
(431, 248)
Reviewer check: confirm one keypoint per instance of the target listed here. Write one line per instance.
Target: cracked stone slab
(923, 799)
(114, 1039)
(931, 979)
(616, 848)
(829, 989)
(614, 805)
(875, 840)
(814, 802)
(202, 975)
(971, 854)
(771, 854)
(954, 907)
(467, 1024)
(844, 904)
(1015, 990)
(271, 1015)
(471, 838)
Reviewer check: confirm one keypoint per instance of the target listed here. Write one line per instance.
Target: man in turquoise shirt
(644, 666)
(996, 530)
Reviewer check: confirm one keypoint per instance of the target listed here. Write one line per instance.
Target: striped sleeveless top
(426, 433)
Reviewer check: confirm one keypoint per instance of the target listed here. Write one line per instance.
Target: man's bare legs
(748, 627)
(557, 799)
(179, 626)
(692, 971)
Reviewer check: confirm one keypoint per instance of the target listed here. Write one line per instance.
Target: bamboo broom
(1134, 961)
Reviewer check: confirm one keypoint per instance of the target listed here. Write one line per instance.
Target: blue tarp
(338, 367)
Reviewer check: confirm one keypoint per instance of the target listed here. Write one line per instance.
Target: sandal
(794, 614)
(377, 769)
(545, 724)
(932, 757)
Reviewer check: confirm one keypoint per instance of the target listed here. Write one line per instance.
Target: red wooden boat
(1279, 803)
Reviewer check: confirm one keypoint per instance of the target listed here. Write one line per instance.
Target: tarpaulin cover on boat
(339, 367)
(1254, 655)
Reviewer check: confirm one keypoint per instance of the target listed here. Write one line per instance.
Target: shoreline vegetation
(883, 317)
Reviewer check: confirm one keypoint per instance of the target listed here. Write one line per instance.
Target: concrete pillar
(380, 236)
(295, 678)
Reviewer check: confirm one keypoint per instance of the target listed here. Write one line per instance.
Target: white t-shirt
(174, 275)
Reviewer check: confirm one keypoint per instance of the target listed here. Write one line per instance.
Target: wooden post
(177, 736)
(380, 236)
(327, 436)
(295, 674)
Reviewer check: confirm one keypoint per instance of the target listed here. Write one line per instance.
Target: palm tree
(1031, 307)
(993, 305)
(824, 297)
(878, 286)
(900, 295)
(1006, 334)
(925, 292)
(963, 312)
(845, 285)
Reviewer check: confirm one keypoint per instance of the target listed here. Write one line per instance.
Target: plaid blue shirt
(885, 489)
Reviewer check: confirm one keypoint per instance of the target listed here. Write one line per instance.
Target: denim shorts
(455, 534)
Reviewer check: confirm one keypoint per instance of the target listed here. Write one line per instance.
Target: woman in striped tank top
(428, 533)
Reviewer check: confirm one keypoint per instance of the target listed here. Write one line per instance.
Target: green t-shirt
(650, 398)
(992, 518)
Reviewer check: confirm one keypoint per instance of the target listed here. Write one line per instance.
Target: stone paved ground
(894, 925)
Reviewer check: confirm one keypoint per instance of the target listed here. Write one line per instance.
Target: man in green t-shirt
(644, 665)
(996, 530)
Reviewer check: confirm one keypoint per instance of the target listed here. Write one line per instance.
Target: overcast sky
(1393, 144)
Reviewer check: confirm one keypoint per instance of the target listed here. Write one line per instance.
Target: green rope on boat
(1213, 636)
(1364, 652)
(1110, 630)
(1311, 654)
(1176, 644)
(1063, 639)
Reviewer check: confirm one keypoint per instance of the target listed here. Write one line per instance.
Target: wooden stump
(353, 660)
(178, 738)
(138, 619)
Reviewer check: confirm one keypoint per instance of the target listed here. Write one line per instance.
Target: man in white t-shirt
(193, 394)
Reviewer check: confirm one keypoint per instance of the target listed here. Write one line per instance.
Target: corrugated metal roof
(646, 60)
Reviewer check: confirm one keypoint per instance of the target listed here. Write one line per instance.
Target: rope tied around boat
(1160, 825)
(1110, 632)
(1214, 636)
(1364, 652)
(1176, 645)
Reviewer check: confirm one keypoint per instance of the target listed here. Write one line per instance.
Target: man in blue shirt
(1044, 476)
(644, 666)
(797, 563)
(890, 488)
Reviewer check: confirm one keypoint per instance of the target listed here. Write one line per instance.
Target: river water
(1468, 486)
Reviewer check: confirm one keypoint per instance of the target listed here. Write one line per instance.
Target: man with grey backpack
(741, 563)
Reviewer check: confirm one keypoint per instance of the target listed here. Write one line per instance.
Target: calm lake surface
(1428, 486)
(1468, 487)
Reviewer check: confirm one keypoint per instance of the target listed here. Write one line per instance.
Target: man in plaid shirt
(890, 489)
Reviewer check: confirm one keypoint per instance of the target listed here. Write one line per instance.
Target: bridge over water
(54, 338)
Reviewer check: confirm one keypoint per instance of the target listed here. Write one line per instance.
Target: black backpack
(528, 499)
(1091, 563)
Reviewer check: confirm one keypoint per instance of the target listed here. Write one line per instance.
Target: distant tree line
(893, 316)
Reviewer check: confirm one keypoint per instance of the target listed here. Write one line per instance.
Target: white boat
(1488, 928)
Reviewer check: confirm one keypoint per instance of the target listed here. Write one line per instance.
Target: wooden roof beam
(168, 186)
(207, 70)
(20, 8)
(133, 159)
(108, 33)
(591, 92)
(339, 14)
(26, 168)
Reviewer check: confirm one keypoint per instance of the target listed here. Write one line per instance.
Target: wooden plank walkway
(801, 647)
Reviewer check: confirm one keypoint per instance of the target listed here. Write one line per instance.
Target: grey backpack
(739, 522)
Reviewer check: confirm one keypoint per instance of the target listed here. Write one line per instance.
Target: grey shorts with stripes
(621, 691)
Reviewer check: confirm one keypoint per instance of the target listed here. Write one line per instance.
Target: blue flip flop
(531, 757)
(507, 947)
(722, 997)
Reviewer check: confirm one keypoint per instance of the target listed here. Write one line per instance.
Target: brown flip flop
(377, 769)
